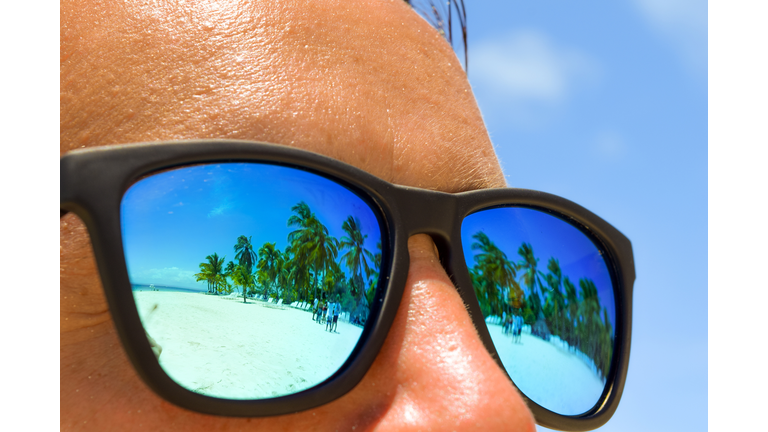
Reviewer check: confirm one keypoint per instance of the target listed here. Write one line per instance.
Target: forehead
(365, 82)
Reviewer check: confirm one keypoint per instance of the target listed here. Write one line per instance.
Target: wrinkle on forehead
(367, 82)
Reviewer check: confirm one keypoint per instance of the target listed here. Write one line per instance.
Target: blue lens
(548, 300)
(252, 280)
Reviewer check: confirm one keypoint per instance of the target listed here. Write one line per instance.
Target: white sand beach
(548, 374)
(222, 347)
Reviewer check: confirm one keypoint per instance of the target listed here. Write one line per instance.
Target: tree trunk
(315, 284)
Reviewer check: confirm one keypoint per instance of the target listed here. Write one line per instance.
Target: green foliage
(244, 253)
(308, 268)
(269, 266)
(528, 316)
(213, 273)
(554, 307)
(244, 278)
(495, 275)
(356, 260)
(313, 247)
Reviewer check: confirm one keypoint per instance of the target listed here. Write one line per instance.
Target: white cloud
(220, 209)
(683, 23)
(527, 66)
(610, 145)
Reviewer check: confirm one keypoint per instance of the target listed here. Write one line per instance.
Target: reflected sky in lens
(203, 209)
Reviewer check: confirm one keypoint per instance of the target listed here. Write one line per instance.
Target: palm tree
(282, 273)
(268, 264)
(224, 284)
(572, 310)
(243, 277)
(357, 256)
(589, 316)
(375, 272)
(211, 272)
(606, 345)
(303, 214)
(555, 301)
(244, 253)
(496, 272)
(206, 274)
(229, 269)
(217, 268)
(530, 276)
(377, 258)
(262, 280)
(301, 239)
(296, 274)
(325, 249)
(311, 243)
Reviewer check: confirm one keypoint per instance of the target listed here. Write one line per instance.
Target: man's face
(365, 82)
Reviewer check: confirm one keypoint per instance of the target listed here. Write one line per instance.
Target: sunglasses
(252, 279)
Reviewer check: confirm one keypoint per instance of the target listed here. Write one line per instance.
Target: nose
(436, 372)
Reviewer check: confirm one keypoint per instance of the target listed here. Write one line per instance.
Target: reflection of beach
(222, 347)
(548, 374)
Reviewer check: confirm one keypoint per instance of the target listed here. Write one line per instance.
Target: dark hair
(440, 16)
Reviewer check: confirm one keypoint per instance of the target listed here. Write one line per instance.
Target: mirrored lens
(252, 280)
(547, 297)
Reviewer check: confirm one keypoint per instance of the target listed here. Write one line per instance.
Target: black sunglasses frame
(93, 182)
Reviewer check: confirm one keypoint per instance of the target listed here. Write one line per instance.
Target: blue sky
(605, 103)
(172, 221)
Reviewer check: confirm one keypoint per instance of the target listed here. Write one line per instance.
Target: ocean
(138, 287)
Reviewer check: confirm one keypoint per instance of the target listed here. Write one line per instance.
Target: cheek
(82, 298)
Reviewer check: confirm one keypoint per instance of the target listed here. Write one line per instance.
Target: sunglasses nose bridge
(428, 212)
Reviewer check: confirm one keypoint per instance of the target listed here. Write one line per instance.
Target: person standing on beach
(324, 311)
(328, 320)
(518, 328)
(314, 310)
(336, 311)
(366, 82)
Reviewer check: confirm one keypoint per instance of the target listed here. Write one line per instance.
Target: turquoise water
(137, 287)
